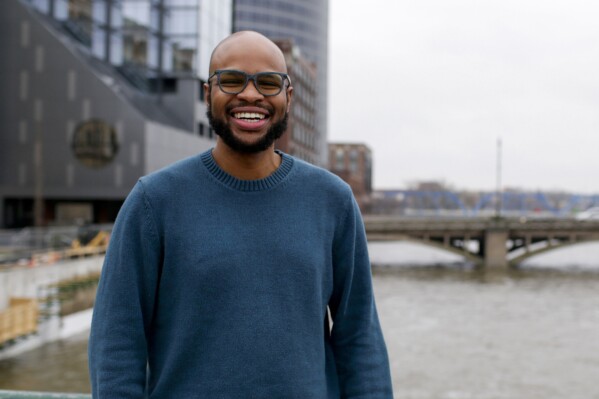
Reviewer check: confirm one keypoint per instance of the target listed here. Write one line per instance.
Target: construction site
(48, 280)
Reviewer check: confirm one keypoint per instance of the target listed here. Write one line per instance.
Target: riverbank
(49, 331)
(63, 294)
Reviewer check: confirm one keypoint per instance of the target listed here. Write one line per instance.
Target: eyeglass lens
(233, 82)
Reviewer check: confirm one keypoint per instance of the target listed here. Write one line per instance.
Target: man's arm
(124, 303)
(358, 344)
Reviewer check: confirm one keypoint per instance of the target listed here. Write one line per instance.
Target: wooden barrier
(82, 252)
(19, 319)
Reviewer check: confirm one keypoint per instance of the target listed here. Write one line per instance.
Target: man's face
(248, 122)
(261, 142)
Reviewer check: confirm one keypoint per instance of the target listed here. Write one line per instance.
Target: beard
(223, 130)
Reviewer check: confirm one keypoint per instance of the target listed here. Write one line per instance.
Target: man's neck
(246, 166)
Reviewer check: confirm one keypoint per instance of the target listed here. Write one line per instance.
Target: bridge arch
(492, 235)
(518, 259)
(468, 256)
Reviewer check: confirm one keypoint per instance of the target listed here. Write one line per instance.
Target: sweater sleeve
(356, 336)
(124, 303)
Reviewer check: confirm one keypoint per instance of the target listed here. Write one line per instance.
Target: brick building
(353, 163)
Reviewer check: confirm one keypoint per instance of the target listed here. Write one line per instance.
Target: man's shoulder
(180, 172)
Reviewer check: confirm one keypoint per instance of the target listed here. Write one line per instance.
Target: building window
(339, 159)
(353, 160)
(201, 91)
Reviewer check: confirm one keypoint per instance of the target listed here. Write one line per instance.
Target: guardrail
(46, 257)
(32, 246)
(41, 395)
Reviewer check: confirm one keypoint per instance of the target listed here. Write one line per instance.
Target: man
(222, 268)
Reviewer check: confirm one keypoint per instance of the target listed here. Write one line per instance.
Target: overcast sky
(430, 86)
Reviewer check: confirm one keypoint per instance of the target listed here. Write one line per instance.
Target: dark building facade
(306, 22)
(301, 137)
(353, 163)
(81, 116)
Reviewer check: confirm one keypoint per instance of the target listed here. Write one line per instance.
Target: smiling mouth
(249, 116)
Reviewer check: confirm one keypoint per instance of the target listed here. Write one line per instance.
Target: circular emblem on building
(95, 143)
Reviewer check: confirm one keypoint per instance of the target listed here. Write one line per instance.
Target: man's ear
(289, 94)
(207, 93)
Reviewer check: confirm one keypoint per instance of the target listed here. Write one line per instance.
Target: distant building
(95, 94)
(306, 22)
(353, 163)
(301, 139)
(429, 185)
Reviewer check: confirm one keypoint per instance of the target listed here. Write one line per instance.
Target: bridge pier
(495, 249)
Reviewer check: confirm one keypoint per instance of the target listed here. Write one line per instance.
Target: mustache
(264, 106)
(229, 107)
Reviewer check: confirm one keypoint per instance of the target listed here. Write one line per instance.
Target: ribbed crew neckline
(248, 185)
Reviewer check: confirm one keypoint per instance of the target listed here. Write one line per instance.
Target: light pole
(498, 190)
(38, 201)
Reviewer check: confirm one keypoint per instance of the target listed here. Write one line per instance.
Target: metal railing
(41, 395)
(34, 246)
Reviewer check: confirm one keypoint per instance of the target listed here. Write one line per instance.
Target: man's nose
(250, 93)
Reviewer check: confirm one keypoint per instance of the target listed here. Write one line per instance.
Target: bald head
(249, 45)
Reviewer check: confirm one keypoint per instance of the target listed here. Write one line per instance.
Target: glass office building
(151, 37)
(98, 93)
(305, 22)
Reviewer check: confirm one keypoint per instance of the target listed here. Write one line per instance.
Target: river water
(452, 332)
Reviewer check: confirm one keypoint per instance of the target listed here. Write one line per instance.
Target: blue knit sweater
(215, 287)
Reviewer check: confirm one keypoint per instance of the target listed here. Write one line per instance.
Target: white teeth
(248, 115)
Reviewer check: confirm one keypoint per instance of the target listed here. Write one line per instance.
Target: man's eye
(231, 82)
(270, 82)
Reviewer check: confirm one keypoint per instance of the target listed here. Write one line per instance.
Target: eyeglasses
(234, 82)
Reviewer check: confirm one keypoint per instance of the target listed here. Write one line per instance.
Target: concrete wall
(165, 145)
(25, 282)
(182, 103)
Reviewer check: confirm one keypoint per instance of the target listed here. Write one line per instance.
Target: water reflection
(464, 333)
(60, 366)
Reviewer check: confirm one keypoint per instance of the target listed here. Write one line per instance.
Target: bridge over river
(488, 242)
